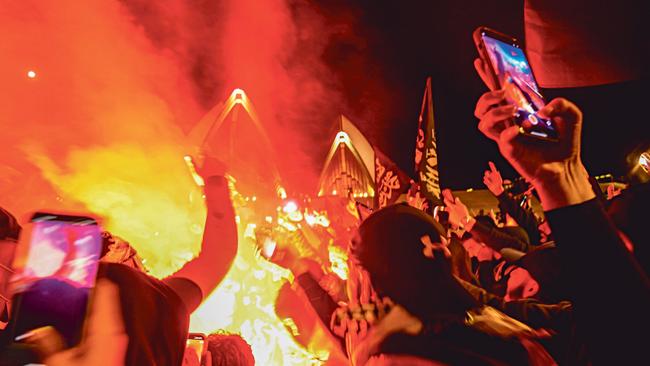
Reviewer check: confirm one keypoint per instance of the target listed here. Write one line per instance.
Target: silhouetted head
(405, 254)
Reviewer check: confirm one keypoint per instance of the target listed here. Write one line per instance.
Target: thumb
(560, 107)
(47, 340)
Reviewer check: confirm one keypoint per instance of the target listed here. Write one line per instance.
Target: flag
(390, 180)
(426, 155)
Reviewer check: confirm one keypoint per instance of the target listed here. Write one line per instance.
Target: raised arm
(610, 293)
(219, 245)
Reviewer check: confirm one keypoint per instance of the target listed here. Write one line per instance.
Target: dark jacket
(609, 291)
(524, 218)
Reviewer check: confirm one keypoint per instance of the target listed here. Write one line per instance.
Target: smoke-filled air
(102, 100)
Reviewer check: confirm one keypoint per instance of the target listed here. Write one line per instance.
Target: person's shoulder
(135, 284)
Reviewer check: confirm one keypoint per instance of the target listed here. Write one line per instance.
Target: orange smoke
(95, 107)
(97, 118)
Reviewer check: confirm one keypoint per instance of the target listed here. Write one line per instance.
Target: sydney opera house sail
(233, 133)
(349, 166)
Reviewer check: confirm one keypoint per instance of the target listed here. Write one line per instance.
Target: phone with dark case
(510, 70)
(55, 268)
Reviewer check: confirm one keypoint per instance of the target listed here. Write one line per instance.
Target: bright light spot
(31, 74)
(339, 260)
(239, 96)
(290, 207)
(343, 137)
(310, 219)
(260, 274)
(268, 248)
(323, 221)
(249, 232)
(282, 193)
(291, 325)
(295, 216)
(644, 161)
(287, 225)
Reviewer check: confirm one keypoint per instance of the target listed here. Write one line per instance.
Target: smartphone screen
(55, 269)
(515, 76)
(194, 347)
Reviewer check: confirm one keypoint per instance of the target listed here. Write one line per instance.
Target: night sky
(407, 41)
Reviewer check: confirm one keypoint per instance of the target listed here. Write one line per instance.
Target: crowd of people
(459, 288)
(568, 288)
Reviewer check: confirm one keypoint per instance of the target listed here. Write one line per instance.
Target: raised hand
(554, 168)
(492, 180)
(459, 215)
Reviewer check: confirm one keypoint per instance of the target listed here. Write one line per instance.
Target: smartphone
(195, 345)
(55, 268)
(510, 70)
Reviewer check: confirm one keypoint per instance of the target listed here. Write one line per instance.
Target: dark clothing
(525, 218)
(530, 311)
(9, 227)
(155, 313)
(609, 292)
(543, 264)
(321, 301)
(565, 346)
(493, 275)
(458, 344)
(500, 238)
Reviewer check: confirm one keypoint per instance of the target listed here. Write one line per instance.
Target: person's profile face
(478, 250)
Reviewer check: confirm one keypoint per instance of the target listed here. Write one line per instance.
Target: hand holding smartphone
(509, 70)
(55, 271)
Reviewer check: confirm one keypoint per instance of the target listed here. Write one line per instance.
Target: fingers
(487, 101)
(560, 107)
(509, 134)
(496, 120)
(47, 340)
(493, 168)
(488, 182)
(106, 316)
(448, 198)
(486, 178)
(484, 72)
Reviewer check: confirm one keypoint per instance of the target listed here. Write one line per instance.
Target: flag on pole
(426, 155)
(390, 180)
